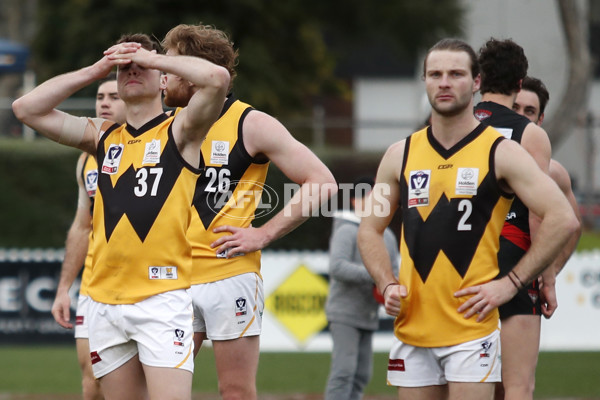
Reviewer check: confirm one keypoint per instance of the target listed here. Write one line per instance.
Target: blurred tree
(290, 51)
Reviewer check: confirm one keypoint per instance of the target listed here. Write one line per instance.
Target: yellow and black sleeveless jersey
(141, 214)
(89, 177)
(452, 213)
(227, 193)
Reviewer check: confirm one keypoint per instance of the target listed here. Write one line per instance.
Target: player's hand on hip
(484, 298)
(240, 241)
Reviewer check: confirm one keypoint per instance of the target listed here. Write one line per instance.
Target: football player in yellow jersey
(226, 284)
(453, 182)
(140, 313)
(108, 106)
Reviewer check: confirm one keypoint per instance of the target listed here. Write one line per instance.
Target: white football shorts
(159, 328)
(230, 308)
(81, 317)
(474, 361)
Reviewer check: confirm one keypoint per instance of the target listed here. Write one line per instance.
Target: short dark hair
(537, 86)
(112, 76)
(503, 65)
(146, 41)
(454, 44)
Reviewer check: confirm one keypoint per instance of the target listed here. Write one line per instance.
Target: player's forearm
(76, 248)
(200, 72)
(553, 233)
(305, 203)
(566, 252)
(48, 95)
(375, 256)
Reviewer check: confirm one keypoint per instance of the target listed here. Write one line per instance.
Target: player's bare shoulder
(391, 163)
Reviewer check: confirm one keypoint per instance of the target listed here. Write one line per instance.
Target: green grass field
(53, 370)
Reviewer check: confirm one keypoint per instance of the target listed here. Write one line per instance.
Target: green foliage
(290, 51)
(39, 193)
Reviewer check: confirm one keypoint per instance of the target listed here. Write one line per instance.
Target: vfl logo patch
(240, 307)
(396, 365)
(79, 320)
(486, 346)
(91, 182)
(418, 188)
(178, 338)
(95, 357)
(111, 162)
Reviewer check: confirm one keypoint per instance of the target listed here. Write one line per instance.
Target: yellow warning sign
(299, 303)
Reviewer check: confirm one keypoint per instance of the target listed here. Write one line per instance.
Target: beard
(176, 97)
(451, 111)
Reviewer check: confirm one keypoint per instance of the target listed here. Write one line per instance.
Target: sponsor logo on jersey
(152, 152)
(112, 159)
(219, 153)
(467, 181)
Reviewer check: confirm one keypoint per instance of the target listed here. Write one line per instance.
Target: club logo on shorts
(178, 338)
(486, 348)
(533, 295)
(240, 306)
(95, 357)
(79, 320)
(396, 365)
